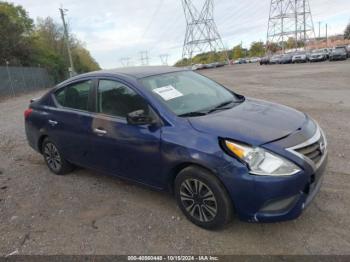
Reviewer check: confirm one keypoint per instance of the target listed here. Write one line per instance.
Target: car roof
(136, 72)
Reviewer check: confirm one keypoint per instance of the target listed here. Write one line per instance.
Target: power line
(160, 3)
(239, 14)
(175, 23)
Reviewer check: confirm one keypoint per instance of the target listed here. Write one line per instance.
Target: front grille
(314, 151)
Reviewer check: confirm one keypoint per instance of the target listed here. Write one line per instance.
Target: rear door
(69, 123)
(117, 147)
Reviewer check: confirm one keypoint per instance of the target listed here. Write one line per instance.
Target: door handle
(53, 123)
(100, 132)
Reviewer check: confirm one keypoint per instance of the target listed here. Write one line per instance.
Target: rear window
(75, 96)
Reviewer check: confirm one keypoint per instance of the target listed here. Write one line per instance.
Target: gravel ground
(89, 213)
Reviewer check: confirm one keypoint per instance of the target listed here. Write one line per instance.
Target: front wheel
(202, 198)
(54, 159)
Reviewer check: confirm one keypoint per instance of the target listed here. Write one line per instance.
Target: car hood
(255, 122)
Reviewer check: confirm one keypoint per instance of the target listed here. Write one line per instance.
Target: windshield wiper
(222, 106)
(192, 114)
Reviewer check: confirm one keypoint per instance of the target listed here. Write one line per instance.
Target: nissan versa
(218, 152)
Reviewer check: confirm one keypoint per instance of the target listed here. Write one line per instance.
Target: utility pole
(304, 21)
(319, 30)
(327, 35)
(282, 29)
(66, 37)
(296, 24)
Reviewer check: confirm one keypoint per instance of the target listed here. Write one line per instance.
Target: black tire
(209, 207)
(54, 159)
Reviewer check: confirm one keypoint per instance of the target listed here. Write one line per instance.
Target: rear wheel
(54, 159)
(202, 198)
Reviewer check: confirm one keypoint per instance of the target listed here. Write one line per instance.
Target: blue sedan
(218, 152)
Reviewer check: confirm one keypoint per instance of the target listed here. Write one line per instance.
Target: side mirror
(139, 117)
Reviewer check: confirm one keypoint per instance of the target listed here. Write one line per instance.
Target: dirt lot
(89, 213)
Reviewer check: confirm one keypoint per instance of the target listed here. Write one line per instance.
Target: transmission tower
(144, 58)
(290, 19)
(125, 61)
(201, 32)
(164, 59)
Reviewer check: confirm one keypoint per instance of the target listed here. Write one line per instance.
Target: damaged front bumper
(291, 207)
(272, 198)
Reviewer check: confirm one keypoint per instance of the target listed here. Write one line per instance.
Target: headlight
(262, 162)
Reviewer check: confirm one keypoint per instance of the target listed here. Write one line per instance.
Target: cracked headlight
(262, 162)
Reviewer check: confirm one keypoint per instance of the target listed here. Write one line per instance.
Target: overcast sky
(113, 29)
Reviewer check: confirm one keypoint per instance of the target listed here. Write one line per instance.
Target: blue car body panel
(253, 122)
(153, 155)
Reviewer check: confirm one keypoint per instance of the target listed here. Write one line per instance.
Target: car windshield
(339, 50)
(189, 94)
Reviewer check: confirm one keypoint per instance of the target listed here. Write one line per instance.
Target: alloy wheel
(52, 157)
(198, 200)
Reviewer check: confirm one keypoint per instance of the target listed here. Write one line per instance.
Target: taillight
(27, 113)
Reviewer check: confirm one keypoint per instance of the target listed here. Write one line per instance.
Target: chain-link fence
(17, 80)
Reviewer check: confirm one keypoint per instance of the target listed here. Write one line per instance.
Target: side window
(116, 99)
(75, 96)
(60, 97)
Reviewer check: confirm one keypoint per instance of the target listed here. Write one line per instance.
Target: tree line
(257, 49)
(25, 43)
(347, 32)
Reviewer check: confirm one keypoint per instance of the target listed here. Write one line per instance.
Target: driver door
(131, 151)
